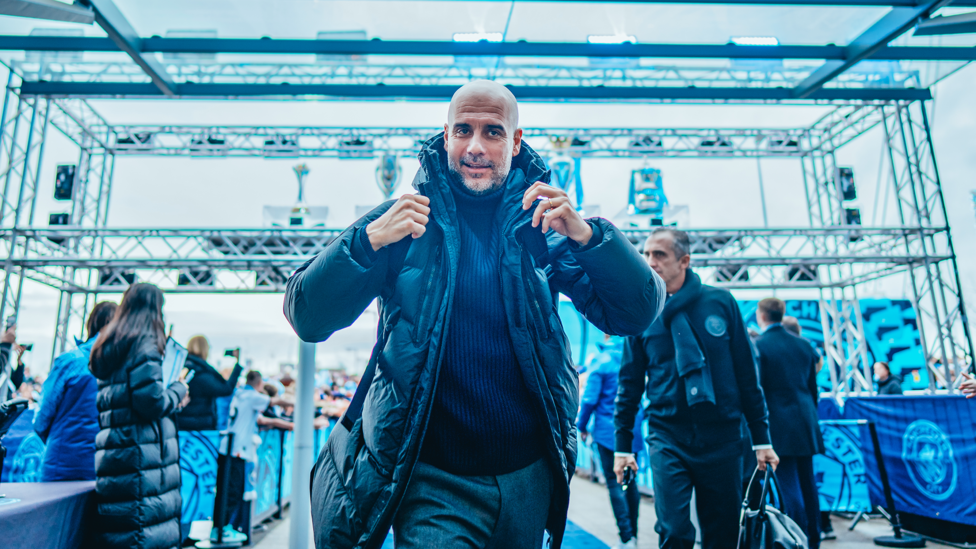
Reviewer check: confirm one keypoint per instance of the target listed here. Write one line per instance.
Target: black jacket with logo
(721, 334)
(361, 474)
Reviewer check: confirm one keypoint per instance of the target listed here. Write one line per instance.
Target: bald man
(462, 432)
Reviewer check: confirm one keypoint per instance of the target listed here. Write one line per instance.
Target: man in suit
(788, 375)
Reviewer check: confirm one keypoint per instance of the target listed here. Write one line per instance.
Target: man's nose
(476, 146)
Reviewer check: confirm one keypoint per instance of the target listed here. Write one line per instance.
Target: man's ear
(517, 138)
(685, 261)
(445, 137)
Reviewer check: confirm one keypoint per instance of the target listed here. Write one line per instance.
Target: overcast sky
(183, 192)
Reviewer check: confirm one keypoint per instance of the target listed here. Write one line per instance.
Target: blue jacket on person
(599, 395)
(68, 417)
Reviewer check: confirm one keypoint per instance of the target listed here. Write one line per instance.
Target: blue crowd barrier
(841, 471)
(928, 444)
(269, 480)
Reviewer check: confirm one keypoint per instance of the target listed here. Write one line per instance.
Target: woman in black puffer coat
(137, 458)
(206, 387)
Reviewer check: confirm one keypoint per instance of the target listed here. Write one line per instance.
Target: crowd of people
(104, 414)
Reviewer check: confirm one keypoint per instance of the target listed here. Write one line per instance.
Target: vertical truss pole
(89, 209)
(26, 199)
(12, 161)
(845, 345)
(943, 323)
(963, 314)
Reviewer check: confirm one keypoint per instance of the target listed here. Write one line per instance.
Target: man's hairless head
(481, 135)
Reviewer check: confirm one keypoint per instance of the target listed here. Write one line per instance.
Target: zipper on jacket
(426, 301)
(528, 273)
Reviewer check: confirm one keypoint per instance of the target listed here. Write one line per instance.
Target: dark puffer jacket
(206, 386)
(360, 477)
(137, 457)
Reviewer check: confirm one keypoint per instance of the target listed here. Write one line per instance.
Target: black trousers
(800, 498)
(625, 503)
(474, 512)
(233, 469)
(714, 472)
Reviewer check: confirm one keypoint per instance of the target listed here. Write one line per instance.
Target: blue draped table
(48, 515)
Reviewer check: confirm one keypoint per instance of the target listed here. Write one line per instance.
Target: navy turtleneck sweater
(484, 420)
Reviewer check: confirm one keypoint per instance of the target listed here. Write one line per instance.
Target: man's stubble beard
(477, 186)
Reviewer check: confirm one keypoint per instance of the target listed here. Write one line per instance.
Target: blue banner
(840, 472)
(928, 444)
(25, 451)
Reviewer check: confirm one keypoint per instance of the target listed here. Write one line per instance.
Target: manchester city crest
(715, 325)
(929, 459)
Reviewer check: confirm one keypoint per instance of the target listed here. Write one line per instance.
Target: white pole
(301, 504)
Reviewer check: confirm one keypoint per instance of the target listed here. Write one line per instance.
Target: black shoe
(827, 535)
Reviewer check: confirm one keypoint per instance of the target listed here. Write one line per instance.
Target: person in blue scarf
(68, 419)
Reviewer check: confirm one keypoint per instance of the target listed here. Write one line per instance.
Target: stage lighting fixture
(356, 147)
(754, 40)
(195, 277)
(714, 143)
(116, 277)
(611, 39)
(280, 146)
(645, 144)
(845, 179)
(852, 216)
(732, 273)
(477, 36)
(64, 182)
(802, 273)
(783, 143)
(58, 220)
(578, 143)
(136, 142)
(208, 145)
(275, 277)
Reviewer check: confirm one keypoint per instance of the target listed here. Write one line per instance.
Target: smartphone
(27, 346)
(11, 320)
(187, 375)
(629, 476)
(231, 352)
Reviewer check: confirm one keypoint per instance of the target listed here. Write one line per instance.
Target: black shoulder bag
(767, 527)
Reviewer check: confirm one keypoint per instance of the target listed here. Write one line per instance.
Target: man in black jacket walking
(466, 435)
(697, 366)
(788, 374)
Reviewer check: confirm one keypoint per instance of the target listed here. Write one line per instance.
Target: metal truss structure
(831, 255)
(834, 255)
(590, 74)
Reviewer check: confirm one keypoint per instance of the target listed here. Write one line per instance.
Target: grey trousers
(484, 512)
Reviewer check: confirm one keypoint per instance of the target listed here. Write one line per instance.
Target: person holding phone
(206, 386)
(137, 457)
